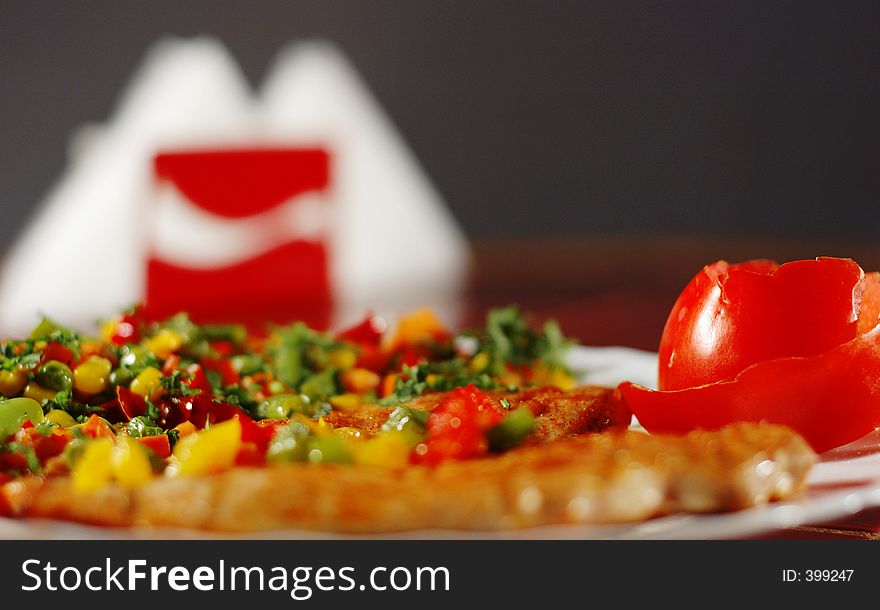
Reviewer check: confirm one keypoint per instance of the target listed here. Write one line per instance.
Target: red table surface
(618, 290)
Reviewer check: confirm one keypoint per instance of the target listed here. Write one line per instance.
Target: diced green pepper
(290, 444)
(402, 417)
(143, 426)
(320, 386)
(282, 406)
(44, 328)
(510, 432)
(234, 333)
(247, 364)
(325, 449)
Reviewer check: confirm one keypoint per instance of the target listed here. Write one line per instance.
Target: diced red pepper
(228, 374)
(128, 329)
(456, 428)
(260, 433)
(57, 351)
(223, 348)
(367, 332)
(170, 365)
(159, 444)
(198, 380)
(205, 411)
(95, 427)
(250, 455)
(131, 404)
(373, 358)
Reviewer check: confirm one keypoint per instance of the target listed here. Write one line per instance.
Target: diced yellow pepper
(556, 376)
(91, 376)
(360, 381)
(60, 418)
(185, 429)
(345, 401)
(387, 449)
(146, 382)
(12, 382)
(131, 463)
(342, 358)
(38, 392)
(165, 342)
(479, 362)
(108, 329)
(348, 433)
(562, 379)
(323, 427)
(421, 326)
(94, 469)
(210, 450)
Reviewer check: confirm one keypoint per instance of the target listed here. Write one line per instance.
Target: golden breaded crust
(597, 478)
(558, 414)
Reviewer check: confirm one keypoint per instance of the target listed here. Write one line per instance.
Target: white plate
(845, 481)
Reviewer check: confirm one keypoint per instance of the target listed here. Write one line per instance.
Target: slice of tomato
(732, 316)
(831, 399)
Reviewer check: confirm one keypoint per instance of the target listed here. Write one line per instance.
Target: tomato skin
(796, 344)
(831, 399)
(732, 316)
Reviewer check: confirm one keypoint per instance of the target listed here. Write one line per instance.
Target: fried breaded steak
(561, 475)
(558, 414)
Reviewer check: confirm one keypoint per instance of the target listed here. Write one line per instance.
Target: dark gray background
(532, 117)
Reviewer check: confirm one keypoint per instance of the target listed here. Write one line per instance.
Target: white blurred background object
(393, 244)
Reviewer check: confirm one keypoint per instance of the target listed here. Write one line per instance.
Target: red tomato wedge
(830, 399)
(797, 344)
(732, 316)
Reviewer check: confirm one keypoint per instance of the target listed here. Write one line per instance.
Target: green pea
(15, 411)
(55, 375)
(121, 376)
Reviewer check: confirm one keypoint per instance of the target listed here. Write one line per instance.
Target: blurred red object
(288, 280)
